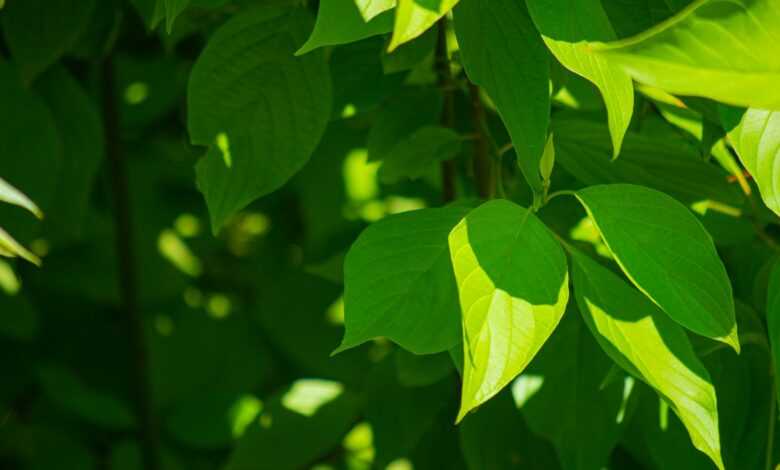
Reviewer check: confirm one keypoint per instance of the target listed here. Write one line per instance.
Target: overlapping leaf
(651, 347)
(339, 22)
(513, 289)
(414, 17)
(667, 254)
(503, 53)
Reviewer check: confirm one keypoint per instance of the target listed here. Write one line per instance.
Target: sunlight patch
(306, 396)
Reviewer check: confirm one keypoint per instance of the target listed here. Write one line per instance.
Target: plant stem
(772, 420)
(444, 74)
(128, 288)
(483, 166)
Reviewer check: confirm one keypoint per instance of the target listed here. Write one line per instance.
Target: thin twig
(444, 74)
(128, 288)
(483, 166)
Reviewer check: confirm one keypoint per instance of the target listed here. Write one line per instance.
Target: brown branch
(483, 166)
(444, 74)
(128, 288)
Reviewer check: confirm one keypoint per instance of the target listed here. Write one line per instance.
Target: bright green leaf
(503, 52)
(667, 254)
(755, 135)
(369, 9)
(568, 28)
(415, 155)
(649, 346)
(11, 248)
(339, 22)
(13, 196)
(399, 282)
(412, 19)
(719, 49)
(513, 288)
(268, 107)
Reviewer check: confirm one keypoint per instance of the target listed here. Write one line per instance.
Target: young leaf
(678, 54)
(399, 283)
(10, 248)
(369, 9)
(503, 52)
(39, 32)
(13, 196)
(412, 18)
(339, 22)
(667, 254)
(649, 346)
(413, 156)
(755, 135)
(513, 288)
(261, 110)
(567, 28)
(773, 319)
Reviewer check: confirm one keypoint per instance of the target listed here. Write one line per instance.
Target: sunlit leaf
(667, 254)
(369, 9)
(513, 288)
(651, 347)
(339, 22)
(13, 196)
(414, 17)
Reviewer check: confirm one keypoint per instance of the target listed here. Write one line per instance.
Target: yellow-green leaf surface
(339, 22)
(503, 53)
(13, 196)
(755, 135)
(369, 9)
(667, 254)
(651, 347)
(513, 288)
(725, 50)
(413, 17)
(10, 248)
(398, 283)
(568, 29)
(773, 319)
(260, 109)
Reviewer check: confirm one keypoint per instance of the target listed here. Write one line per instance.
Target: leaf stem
(128, 287)
(444, 74)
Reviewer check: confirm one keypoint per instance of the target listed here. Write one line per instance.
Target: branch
(444, 74)
(483, 166)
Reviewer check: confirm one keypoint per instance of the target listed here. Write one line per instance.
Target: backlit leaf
(513, 289)
(339, 22)
(369, 9)
(412, 18)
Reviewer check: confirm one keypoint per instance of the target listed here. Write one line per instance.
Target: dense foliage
(393, 234)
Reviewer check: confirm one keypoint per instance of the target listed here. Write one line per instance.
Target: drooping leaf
(573, 400)
(719, 49)
(649, 346)
(567, 28)
(413, 156)
(755, 135)
(513, 289)
(39, 32)
(414, 17)
(11, 195)
(260, 110)
(369, 9)
(339, 22)
(503, 53)
(667, 254)
(399, 282)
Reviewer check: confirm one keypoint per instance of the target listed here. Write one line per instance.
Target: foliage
(393, 234)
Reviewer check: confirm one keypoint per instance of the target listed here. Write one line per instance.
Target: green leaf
(755, 136)
(568, 28)
(399, 283)
(339, 22)
(503, 53)
(649, 346)
(13, 196)
(369, 9)
(418, 153)
(573, 400)
(411, 54)
(10, 248)
(412, 18)
(719, 49)
(415, 370)
(173, 8)
(513, 288)
(667, 254)
(667, 164)
(40, 32)
(773, 319)
(261, 110)
(81, 130)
